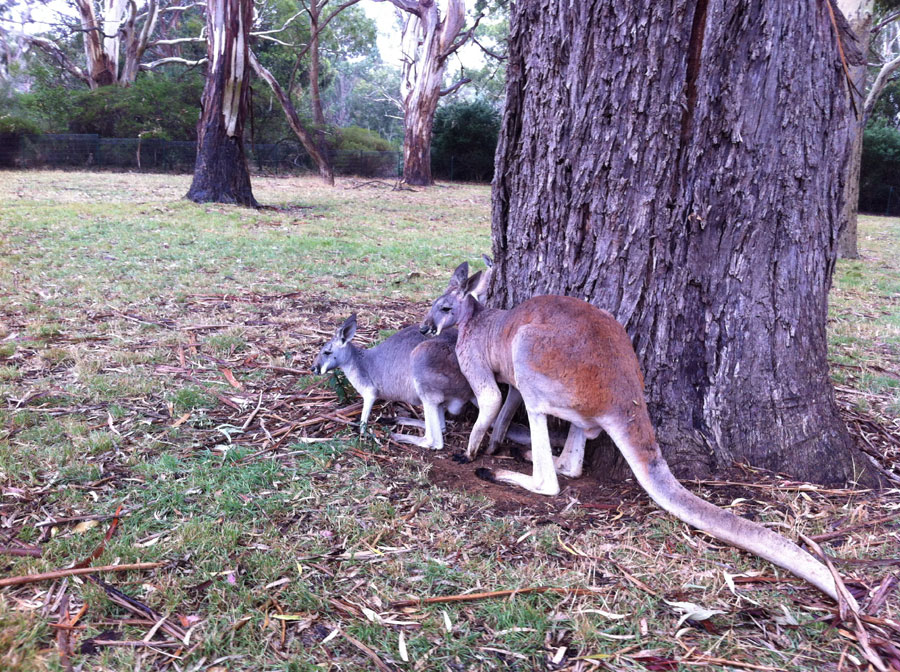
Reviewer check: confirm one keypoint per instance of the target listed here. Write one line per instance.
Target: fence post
(887, 210)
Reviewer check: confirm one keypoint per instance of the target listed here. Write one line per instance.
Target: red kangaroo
(573, 361)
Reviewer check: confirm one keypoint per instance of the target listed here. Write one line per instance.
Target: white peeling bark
(427, 42)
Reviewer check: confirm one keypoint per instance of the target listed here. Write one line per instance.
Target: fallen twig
(138, 607)
(827, 536)
(21, 552)
(75, 571)
(468, 597)
(369, 652)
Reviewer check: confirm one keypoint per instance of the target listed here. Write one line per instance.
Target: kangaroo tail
(653, 473)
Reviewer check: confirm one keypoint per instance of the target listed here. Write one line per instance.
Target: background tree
(428, 41)
(875, 25)
(321, 18)
(221, 173)
(682, 165)
(114, 35)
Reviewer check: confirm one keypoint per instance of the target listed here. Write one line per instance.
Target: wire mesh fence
(92, 151)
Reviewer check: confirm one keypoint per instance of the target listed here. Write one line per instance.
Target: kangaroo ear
(487, 261)
(460, 275)
(468, 306)
(477, 286)
(345, 331)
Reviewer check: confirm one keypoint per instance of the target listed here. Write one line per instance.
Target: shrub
(464, 141)
(356, 139)
(154, 106)
(12, 129)
(879, 182)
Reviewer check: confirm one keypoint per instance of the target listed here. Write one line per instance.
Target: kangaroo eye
(445, 309)
(327, 353)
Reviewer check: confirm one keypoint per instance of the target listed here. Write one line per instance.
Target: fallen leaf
(692, 611)
(85, 525)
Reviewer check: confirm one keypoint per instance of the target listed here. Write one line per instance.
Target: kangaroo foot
(485, 474)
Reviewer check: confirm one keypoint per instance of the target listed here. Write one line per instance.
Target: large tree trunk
(681, 164)
(220, 173)
(427, 42)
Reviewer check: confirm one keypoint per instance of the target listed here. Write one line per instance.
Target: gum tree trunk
(220, 173)
(681, 164)
(859, 16)
(427, 42)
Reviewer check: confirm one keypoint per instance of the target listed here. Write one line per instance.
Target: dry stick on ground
(827, 536)
(862, 637)
(468, 597)
(369, 652)
(76, 519)
(75, 571)
(879, 597)
(23, 552)
(138, 607)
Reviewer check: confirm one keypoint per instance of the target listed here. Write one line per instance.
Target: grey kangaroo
(406, 367)
(572, 360)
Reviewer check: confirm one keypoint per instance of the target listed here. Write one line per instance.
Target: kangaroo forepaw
(460, 458)
(485, 474)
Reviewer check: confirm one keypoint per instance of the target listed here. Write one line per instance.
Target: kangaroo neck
(482, 339)
(356, 368)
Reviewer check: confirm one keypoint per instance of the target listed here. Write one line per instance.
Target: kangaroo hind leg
(543, 479)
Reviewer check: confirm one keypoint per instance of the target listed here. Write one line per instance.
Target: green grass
(123, 309)
(864, 318)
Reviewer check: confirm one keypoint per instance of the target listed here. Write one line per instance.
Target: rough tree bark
(427, 43)
(220, 173)
(681, 164)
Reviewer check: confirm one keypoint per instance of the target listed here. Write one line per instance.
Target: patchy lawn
(154, 356)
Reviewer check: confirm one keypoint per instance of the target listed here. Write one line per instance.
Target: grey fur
(407, 367)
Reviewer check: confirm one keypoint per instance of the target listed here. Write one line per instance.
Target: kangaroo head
(336, 352)
(449, 309)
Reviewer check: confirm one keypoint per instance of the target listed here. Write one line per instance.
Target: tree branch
(278, 30)
(448, 91)
(275, 40)
(885, 22)
(492, 54)
(411, 6)
(171, 59)
(463, 38)
(881, 81)
(53, 50)
(179, 40)
(306, 139)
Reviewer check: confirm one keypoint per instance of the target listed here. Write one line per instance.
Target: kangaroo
(572, 360)
(406, 367)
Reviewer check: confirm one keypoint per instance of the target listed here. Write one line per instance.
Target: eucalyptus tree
(221, 173)
(876, 25)
(431, 33)
(681, 164)
(117, 36)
